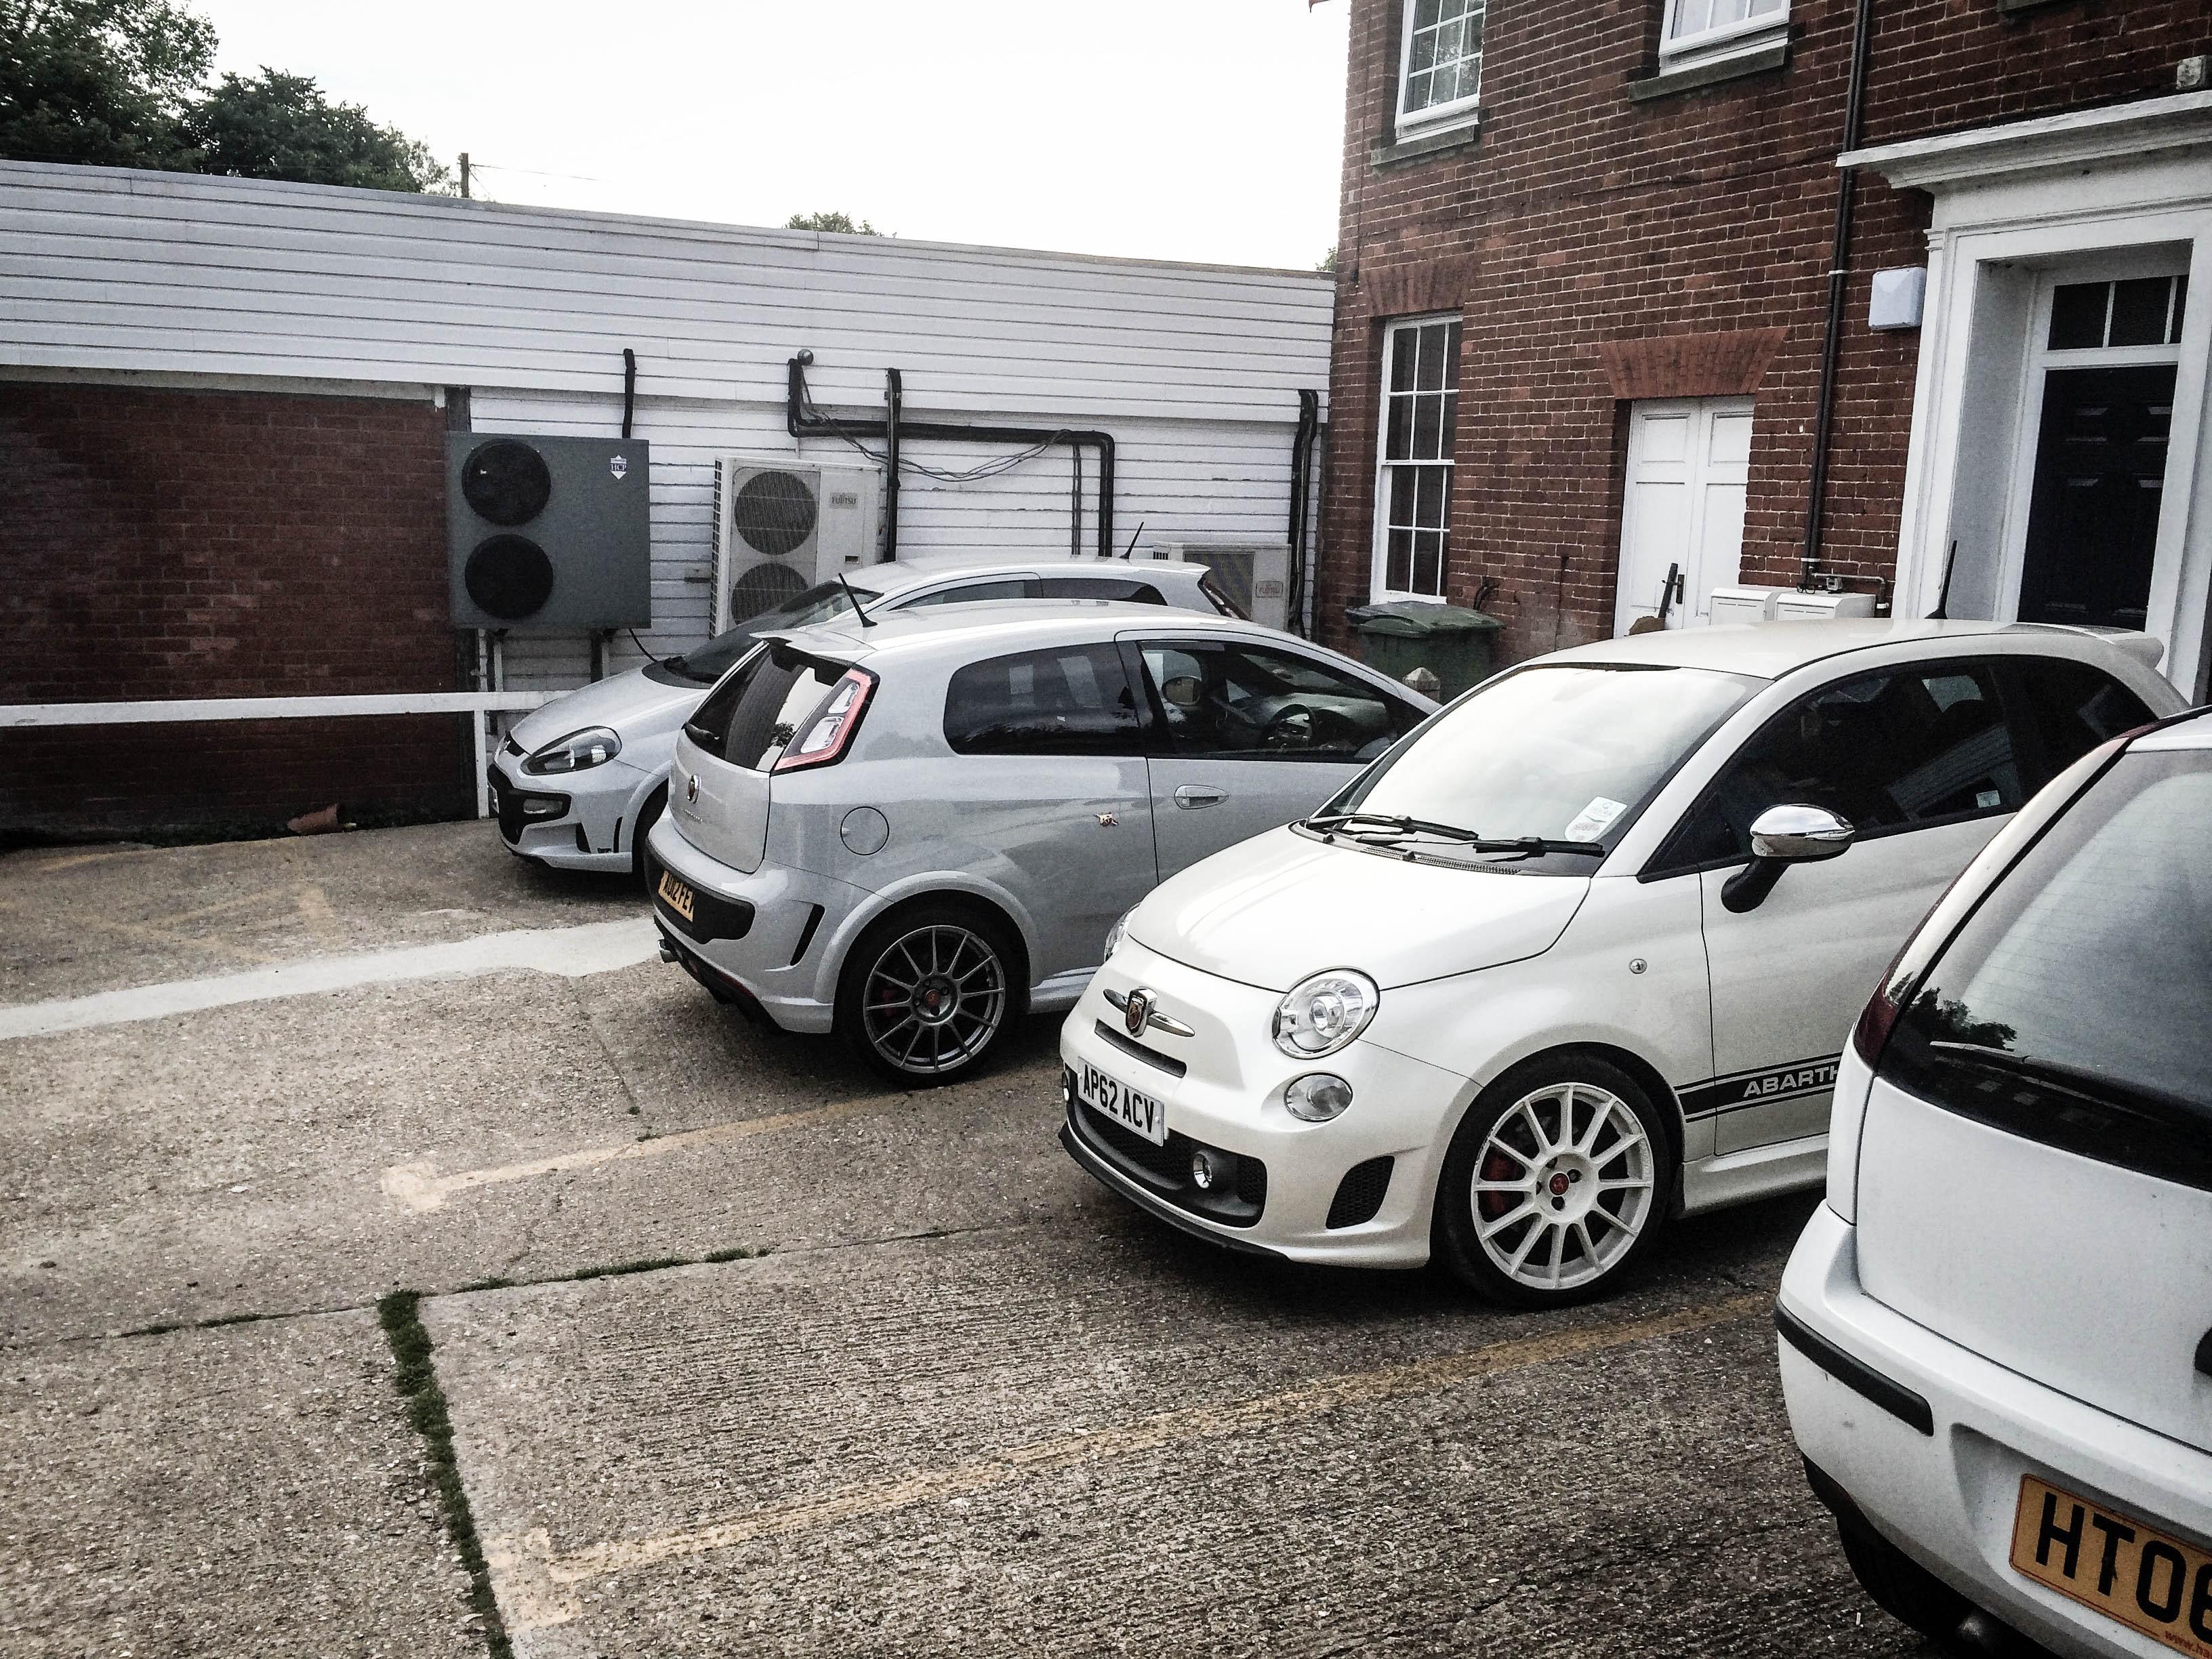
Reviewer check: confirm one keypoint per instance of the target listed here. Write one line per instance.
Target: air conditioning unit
(1255, 575)
(1793, 606)
(548, 533)
(782, 526)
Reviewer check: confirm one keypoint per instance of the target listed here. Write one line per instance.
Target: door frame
(2038, 361)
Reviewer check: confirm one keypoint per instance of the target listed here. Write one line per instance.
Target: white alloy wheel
(933, 999)
(1563, 1186)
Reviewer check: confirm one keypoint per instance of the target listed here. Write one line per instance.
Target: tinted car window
(2072, 708)
(1092, 587)
(822, 603)
(1011, 587)
(1070, 699)
(1893, 750)
(749, 717)
(2072, 1007)
(1254, 703)
(1221, 600)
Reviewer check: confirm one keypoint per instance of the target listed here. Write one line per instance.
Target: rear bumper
(1930, 1441)
(781, 963)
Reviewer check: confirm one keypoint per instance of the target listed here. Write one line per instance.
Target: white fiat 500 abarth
(1578, 955)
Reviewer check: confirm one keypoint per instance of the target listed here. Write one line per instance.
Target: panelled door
(1689, 459)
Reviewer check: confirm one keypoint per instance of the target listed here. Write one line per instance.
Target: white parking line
(595, 948)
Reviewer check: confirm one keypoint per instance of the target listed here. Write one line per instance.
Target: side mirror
(1782, 836)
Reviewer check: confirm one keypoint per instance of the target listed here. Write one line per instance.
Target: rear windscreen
(750, 716)
(2074, 1006)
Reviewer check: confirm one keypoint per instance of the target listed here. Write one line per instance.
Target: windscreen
(2074, 1006)
(823, 602)
(1568, 752)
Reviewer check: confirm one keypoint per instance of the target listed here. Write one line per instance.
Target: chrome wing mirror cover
(1782, 836)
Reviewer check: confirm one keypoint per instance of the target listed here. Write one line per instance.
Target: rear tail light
(1871, 1035)
(828, 732)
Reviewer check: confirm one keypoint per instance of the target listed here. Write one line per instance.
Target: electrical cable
(976, 474)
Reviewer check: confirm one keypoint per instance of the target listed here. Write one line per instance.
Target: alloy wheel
(933, 999)
(1563, 1185)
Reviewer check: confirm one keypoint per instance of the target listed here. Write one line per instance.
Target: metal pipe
(801, 424)
(894, 392)
(1302, 442)
(630, 388)
(1824, 420)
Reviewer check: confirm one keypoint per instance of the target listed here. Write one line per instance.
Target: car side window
(1898, 749)
(2072, 708)
(1011, 587)
(1068, 699)
(1256, 702)
(1125, 588)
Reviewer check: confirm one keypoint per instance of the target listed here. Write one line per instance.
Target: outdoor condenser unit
(546, 533)
(782, 526)
(1256, 575)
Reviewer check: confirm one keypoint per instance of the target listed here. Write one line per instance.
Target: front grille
(1137, 1050)
(511, 747)
(1166, 1170)
(1360, 1195)
(510, 802)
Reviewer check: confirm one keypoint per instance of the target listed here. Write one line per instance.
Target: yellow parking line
(534, 1585)
(420, 1187)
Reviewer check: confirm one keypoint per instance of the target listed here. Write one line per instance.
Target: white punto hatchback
(1578, 956)
(1996, 1334)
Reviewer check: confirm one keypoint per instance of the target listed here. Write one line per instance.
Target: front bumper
(1229, 1097)
(1945, 1493)
(780, 961)
(590, 817)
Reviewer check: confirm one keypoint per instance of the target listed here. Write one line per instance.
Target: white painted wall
(179, 280)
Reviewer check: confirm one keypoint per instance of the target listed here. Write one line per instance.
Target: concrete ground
(938, 1393)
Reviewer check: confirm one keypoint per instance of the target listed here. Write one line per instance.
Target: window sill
(1760, 60)
(1464, 133)
(2013, 8)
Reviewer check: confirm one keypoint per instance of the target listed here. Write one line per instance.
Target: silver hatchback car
(912, 831)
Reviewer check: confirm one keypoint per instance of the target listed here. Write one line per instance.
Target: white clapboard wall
(174, 279)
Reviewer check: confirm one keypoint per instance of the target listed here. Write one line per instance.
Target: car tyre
(647, 815)
(928, 994)
(1558, 1181)
(1901, 1587)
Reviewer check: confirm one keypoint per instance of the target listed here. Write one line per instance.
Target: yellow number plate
(677, 895)
(2125, 1569)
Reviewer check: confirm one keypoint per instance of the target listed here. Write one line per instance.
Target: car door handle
(1192, 796)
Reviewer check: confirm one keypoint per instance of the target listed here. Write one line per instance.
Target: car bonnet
(1281, 907)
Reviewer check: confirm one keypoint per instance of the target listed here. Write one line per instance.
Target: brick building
(1585, 260)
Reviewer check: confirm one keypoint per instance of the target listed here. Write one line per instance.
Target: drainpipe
(1824, 420)
(894, 392)
(1301, 448)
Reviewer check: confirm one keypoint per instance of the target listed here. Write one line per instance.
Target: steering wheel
(1289, 728)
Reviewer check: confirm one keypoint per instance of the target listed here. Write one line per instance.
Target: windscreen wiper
(1527, 846)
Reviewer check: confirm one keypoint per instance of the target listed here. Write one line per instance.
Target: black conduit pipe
(630, 388)
(1302, 446)
(893, 399)
(802, 425)
(1824, 420)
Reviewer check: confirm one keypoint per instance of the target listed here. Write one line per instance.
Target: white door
(1689, 461)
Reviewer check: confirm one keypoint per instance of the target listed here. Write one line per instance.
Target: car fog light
(1206, 1170)
(1317, 1098)
(540, 806)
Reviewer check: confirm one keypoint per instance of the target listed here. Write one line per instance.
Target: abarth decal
(1759, 1088)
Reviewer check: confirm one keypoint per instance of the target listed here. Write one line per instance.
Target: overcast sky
(1205, 130)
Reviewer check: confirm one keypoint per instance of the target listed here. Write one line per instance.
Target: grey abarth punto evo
(913, 831)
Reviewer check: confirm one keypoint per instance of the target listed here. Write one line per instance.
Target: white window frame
(1379, 589)
(1461, 112)
(1726, 41)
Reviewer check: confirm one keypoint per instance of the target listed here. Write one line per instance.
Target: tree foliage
(282, 126)
(842, 222)
(124, 83)
(99, 81)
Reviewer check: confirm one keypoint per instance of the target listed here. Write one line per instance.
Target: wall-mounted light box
(1899, 296)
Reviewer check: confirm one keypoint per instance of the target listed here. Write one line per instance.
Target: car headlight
(1325, 1013)
(1116, 934)
(579, 752)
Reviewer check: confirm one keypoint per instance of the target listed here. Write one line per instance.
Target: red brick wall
(165, 544)
(1582, 217)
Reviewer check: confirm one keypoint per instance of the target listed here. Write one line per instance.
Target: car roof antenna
(867, 621)
(1133, 534)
